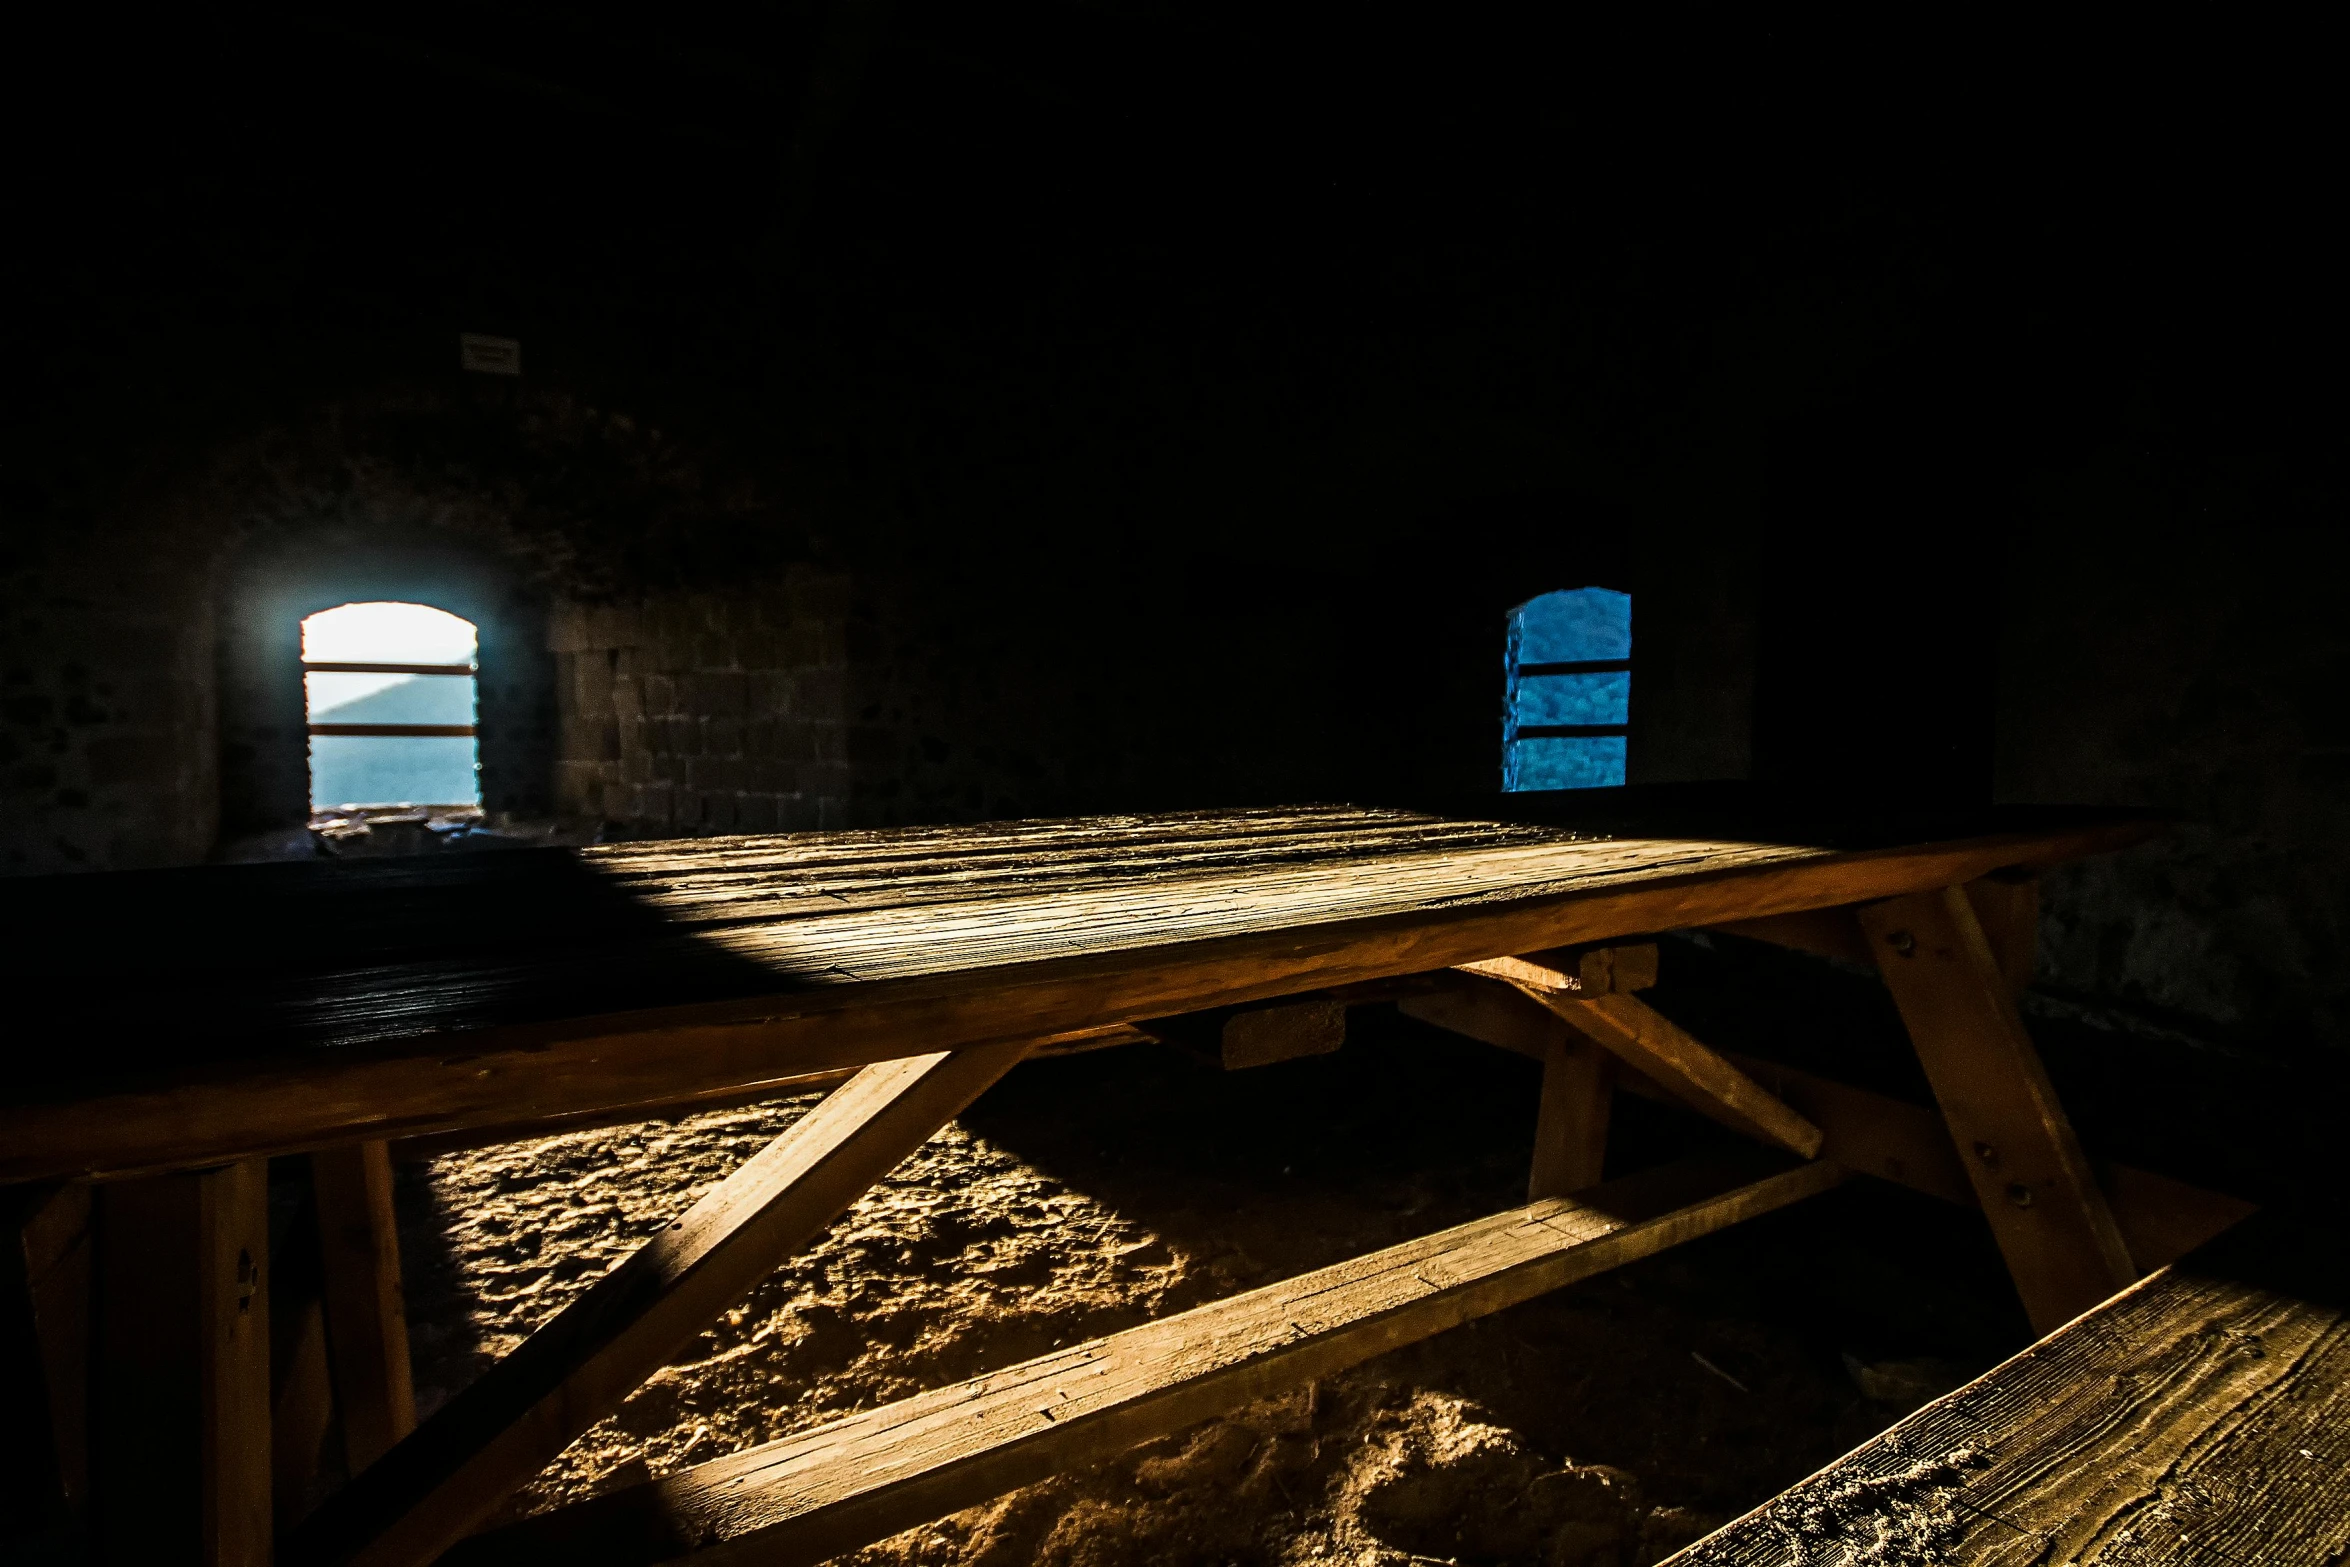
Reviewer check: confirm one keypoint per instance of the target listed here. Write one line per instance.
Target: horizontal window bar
(1581, 666)
(392, 729)
(324, 668)
(1569, 731)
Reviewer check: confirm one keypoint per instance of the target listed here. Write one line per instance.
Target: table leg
(366, 1319)
(1570, 1135)
(2017, 1146)
(181, 1438)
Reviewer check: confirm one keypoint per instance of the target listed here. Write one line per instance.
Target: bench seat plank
(2202, 1416)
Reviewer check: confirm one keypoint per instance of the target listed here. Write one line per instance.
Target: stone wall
(707, 712)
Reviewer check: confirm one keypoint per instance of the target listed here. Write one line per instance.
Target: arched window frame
(1606, 636)
(470, 671)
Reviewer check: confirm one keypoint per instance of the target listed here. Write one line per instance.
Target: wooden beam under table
(366, 1315)
(2018, 1148)
(842, 1485)
(1654, 1044)
(446, 1476)
(1570, 1128)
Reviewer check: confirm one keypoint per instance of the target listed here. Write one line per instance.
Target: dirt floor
(1603, 1426)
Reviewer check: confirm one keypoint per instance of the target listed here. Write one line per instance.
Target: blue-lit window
(1569, 704)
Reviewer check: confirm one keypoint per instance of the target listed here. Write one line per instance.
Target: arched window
(1569, 703)
(390, 693)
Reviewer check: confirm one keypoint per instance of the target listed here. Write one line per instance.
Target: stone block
(567, 628)
(823, 694)
(756, 813)
(870, 745)
(817, 595)
(722, 736)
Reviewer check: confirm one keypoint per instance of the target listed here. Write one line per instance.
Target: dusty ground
(1605, 1425)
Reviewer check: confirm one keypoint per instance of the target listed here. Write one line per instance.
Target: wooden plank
(1570, 1130)
(1579, 971)
(2007, 906)
(438, 1483)
(181, 1432)
(1499, 1015)
(301, 1411)
(1236, 1038)
(1637, 1033)
(2018, 1148)
(664, 973)
(1868, 1133)
(863, 1478)
(2200, 1418)
(51, 1258)
(32, 1481)
(366, 1316)
(1260, 1036)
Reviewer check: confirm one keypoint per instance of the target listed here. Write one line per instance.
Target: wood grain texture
(1579, 971)
(825, 1491)
(1570, 1129)
(181, 1430)
(1290, 1031)
(2014, 1139)
(437, 1484)
(2008, 908)
(2202, 1418)
(285, 1008)
(1653, 1044)
(366, 1312)
(56, 1248)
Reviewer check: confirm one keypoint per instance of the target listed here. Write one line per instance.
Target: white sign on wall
(489, 355)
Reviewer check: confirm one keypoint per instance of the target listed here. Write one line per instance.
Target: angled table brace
(438, 1483)
(1645, 1038)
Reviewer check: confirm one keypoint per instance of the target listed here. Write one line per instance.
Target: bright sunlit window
(1569, 702)
(390, 692)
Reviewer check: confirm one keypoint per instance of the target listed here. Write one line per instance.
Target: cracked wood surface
(2201, 1418)
(225, 1011)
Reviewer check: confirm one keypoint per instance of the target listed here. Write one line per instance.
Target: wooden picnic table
(204, 1020)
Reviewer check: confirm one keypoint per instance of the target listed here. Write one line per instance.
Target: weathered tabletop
(170, 1019)
(2201, 1417)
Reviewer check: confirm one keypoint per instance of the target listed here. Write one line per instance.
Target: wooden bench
(2201, 1417)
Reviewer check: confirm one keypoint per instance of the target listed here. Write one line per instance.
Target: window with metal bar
(1567, 711)
(390, 691)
